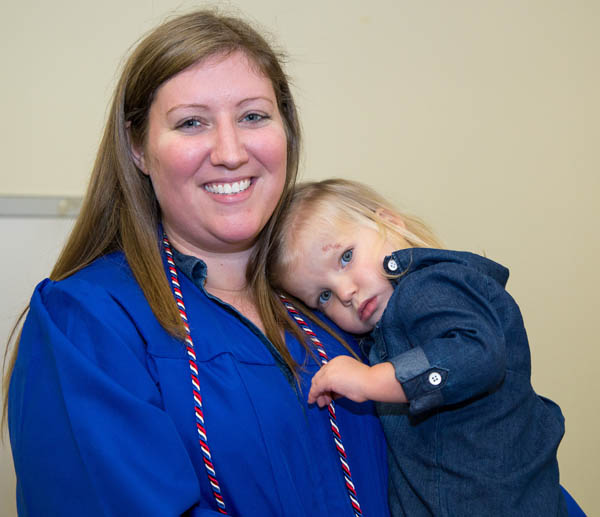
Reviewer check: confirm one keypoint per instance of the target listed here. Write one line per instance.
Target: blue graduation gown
(101, 414)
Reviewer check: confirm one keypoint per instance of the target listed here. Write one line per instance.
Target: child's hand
(346, 377)
(343, 376)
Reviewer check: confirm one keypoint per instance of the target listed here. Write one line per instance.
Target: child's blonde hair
(339, 201)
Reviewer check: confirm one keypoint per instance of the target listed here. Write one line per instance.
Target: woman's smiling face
(216, 153)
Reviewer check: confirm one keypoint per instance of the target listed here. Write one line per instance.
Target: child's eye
(324, 297)
(346, 257)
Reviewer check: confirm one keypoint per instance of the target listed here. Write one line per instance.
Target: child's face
(340, 272)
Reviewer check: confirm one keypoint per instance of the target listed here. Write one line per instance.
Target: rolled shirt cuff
(421, 382)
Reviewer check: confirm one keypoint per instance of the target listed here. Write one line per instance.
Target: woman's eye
(254, 117)
(324, 297)
(190, 123)
(346, 257)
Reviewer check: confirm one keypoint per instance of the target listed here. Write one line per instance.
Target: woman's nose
(228, 148)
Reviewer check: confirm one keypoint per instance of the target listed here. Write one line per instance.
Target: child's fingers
(314, 393)
(324, 400)
(319, 391)
(316, 386)
(321, 397)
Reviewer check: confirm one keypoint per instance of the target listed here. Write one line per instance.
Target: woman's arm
(88, 432)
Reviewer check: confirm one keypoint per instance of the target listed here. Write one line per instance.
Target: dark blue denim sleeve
(444, 335)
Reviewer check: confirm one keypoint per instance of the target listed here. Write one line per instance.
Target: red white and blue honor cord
(331, 407)
(189, 345)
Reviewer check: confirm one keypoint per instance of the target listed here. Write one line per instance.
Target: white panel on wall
(30, 246)
(39, 206)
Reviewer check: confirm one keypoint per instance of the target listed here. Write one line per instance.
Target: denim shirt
(474, 438)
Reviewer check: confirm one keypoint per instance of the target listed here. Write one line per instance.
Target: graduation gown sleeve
(82, 383)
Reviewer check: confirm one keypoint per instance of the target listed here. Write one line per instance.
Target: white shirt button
(435, 378)
(392, 265)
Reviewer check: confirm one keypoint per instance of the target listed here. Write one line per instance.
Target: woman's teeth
(227, 188)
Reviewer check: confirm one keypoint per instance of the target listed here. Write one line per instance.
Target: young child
(450, 362)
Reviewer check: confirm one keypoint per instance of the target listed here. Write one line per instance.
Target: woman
(157, 374)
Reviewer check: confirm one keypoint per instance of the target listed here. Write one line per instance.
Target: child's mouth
(367, 308)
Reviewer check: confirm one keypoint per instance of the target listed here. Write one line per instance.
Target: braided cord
(331, 407)
(198, 410)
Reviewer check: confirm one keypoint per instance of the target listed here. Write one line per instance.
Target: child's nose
(346, 292)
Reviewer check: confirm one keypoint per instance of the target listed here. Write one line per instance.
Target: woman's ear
(137, 154)
(138, 159)
(390, 217)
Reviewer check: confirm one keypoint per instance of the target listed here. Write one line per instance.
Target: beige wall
(483, 117)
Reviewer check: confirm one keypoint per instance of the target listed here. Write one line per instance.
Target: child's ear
(390, 217)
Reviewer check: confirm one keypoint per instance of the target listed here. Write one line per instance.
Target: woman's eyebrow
(257, 98)
(191, 105)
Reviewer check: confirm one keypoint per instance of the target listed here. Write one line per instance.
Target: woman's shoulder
(106, 289)
(102, 303)
(107, 271)
(110, 274)
(333, 336)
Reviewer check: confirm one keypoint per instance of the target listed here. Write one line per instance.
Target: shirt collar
(192, 267)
